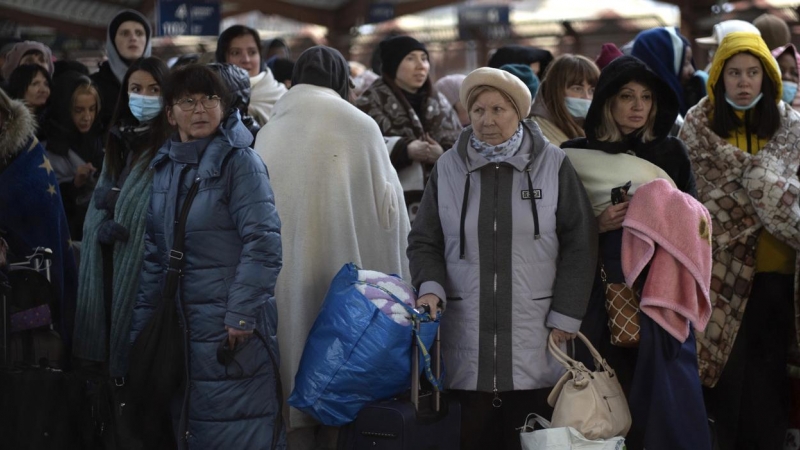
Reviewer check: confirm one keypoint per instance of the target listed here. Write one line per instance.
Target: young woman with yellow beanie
(744, 143)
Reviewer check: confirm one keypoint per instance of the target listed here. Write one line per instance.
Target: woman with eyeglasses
(231, 259)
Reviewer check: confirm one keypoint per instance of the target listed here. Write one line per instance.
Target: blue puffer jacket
(232, 259)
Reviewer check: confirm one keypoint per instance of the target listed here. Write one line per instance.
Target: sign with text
(489, 22)
(380, 12)
(189, 17)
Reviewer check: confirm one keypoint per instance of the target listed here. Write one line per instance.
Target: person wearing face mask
(669, 55)
(74, 144)
(406, 107)
(113, 233)
(789, 63)
(744, 146)
(241, 46)
(627, 139)
(128, 39)
(564, 97)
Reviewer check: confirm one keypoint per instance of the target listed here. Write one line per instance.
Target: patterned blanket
(380, 288)
(744, 193)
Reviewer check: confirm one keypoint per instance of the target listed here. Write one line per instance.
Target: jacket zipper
(747, 131)
(185, 413)
(496, 401)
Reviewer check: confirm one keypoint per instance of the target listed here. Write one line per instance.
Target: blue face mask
(789, 92)
(144, 107)
(745, 107)
(577, 107)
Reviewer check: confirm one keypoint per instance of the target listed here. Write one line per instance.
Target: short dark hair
(122, 115)
(765, 119)
(195, 79)
(22, 77)
(231, 33)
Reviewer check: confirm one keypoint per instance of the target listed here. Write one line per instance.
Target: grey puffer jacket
(511, 264)
(232, 259)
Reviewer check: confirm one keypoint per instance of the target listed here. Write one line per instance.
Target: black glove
(105, 197)
(111, 231)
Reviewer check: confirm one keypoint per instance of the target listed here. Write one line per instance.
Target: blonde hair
(608, 130)
(89, 89)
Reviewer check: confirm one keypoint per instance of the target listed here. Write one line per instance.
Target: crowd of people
(252, 178)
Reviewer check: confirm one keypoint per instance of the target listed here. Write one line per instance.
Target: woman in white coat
(340, 201)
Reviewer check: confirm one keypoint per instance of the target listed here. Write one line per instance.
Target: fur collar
(17, 130)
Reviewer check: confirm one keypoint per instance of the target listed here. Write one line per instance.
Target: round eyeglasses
(188, 103)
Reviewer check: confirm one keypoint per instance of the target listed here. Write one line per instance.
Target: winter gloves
(111, 232)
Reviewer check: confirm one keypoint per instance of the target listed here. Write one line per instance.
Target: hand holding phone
(620, 194)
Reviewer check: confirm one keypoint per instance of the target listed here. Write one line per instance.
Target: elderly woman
(743, 138)
(627, 139)
(510, 250)
(405, 105)
(231, 259)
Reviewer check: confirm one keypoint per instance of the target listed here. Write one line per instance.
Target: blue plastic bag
(354, 355)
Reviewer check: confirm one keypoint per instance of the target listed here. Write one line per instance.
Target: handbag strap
(544, 423)
(176, 261)
(570, 363)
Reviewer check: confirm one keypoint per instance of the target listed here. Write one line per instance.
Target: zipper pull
(497, 401)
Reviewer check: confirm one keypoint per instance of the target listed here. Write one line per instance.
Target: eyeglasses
(188, 103)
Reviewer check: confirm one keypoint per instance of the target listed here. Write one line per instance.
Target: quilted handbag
(622, 305)
(591, 402)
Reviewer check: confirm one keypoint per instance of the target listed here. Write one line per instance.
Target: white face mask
(745, 107)
(577, 107)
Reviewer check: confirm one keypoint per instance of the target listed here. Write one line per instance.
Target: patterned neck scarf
(498, 153)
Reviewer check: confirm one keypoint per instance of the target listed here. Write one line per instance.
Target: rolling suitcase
(427, 421)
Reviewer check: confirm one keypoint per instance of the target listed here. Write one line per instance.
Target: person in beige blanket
(340, 202)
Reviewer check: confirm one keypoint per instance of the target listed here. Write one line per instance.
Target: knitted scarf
(744, 193)
(501, 152)
(91, 337)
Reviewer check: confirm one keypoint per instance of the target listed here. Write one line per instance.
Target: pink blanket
(670, 231)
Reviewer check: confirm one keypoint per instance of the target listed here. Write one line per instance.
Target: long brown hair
(562, 73)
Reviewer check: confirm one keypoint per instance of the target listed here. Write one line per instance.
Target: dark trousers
(486, 427)
(750, 403)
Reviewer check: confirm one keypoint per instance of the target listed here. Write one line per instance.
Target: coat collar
(533, 144)
(18, 129)
(232, 134)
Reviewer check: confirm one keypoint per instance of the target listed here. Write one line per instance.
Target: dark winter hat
(608, 53)
(525, 74)
(521, 54)
(126, 16)
(282, 69)
(394, 49)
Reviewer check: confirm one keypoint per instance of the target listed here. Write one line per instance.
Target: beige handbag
(591, 402)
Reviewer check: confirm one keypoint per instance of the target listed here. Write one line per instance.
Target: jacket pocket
(454, 298)
(542, 298)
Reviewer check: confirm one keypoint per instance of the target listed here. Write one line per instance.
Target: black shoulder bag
(157, 359)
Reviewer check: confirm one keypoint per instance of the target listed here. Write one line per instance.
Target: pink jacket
(670, 231)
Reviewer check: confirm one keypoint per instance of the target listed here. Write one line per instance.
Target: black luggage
(427, 421)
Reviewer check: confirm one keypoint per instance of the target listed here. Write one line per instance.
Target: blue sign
(189, 17)
(380, 12)
(483, 15)
(484, 22)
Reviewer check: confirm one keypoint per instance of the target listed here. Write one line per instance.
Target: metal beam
(402, 9)
(60, 25)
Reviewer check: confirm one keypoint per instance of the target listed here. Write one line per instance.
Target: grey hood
(117, 63)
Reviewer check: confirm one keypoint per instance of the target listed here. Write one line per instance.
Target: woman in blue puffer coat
(231, 261)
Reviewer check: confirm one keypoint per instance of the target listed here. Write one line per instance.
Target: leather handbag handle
(570, 363)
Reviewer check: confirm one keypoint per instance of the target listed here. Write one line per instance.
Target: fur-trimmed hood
(17, 129)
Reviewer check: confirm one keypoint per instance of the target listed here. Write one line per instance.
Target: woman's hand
(561, 336)
(83, 173)
(612, 217)
(236, 337)
(418, 150)
(432, 302)
(434, 148)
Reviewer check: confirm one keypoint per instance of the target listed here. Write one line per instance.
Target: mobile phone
(619, 194)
